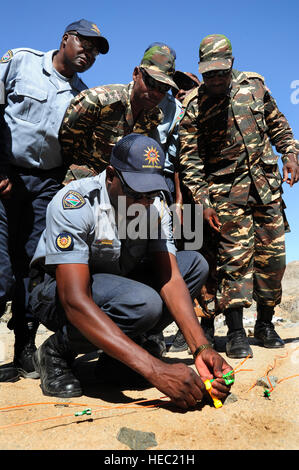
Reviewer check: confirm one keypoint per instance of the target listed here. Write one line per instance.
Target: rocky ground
(247, 421)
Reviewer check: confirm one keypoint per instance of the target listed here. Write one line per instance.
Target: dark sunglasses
(153, 84)
(87, 45)
(216, 73)
(133, 194)
(186, 84)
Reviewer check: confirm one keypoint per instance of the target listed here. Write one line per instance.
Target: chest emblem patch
(65, 241)
(73, 200)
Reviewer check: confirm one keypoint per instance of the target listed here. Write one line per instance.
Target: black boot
(264, 330)
(9, 374)
(179, 343)
(154, 344)
(237, 345)
(52, 361)
(208, 327)
(24, 348)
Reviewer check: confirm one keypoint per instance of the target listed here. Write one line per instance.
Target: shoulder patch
(73, 200)
(254, 75)
(7, 57)
(65, 241)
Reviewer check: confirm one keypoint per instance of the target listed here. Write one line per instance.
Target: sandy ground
(247, 421)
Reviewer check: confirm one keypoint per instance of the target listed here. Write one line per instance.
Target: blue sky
(264, 36)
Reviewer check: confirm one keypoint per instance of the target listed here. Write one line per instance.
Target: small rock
(264, 382)
(231, 398)
(136, 440)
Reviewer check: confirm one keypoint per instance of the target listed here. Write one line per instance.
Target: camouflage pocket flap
(257, 109)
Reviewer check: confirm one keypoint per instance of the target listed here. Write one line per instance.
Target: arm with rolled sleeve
(281, 137)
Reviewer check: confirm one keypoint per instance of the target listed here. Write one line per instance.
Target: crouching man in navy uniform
(103, 290)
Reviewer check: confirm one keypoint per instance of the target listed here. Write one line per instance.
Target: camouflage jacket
(95, 120)
(226, 143)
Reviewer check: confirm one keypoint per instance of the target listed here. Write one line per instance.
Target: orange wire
(69, 415)
(271, 367)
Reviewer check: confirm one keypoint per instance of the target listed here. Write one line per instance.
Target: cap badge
(95, 28)
(152, 157)
(166, 48)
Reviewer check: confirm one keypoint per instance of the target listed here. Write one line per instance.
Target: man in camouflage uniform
(228, 164)
(99, 117)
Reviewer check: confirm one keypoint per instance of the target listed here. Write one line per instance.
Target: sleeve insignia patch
(65, 241)
(73, 200)
(7, 57)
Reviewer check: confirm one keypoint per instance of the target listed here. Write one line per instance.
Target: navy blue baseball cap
(140, 159)
(89, 29)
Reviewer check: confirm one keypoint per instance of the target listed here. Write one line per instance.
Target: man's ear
(64, 39)
(110, 173)
(136, 73)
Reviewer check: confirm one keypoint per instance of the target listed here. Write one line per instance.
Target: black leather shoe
(23, 361)
(52, 362)
(9, 374)
(265, 333)
(179, 343)
(154, 344)
(25, 348)
(237, 345)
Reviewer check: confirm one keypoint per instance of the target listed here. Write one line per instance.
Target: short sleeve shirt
(36, 97)
(82, 227)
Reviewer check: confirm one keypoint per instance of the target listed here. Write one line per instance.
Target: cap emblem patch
(95, 28)
(152, 157)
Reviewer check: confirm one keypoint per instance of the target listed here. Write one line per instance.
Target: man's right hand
(179, 382)
(210, 216)
(5, 188)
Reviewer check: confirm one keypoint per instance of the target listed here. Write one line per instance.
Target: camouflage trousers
(250, 254)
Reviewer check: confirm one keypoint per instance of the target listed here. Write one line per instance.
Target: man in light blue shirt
(37, 89)
(106, 285)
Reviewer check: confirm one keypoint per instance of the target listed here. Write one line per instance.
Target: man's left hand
(292, 169)
(210, 365)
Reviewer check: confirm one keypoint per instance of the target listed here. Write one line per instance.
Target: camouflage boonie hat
(215, 53)
(159, 62)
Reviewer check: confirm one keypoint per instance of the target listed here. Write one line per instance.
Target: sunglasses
(216, 73)
(133, 194)
(153, 84)
(87, 45)
(186, 84)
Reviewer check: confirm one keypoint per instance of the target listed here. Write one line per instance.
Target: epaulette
(254, 75)
(190, 97)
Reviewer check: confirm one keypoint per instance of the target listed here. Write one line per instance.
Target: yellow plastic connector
(208, 385)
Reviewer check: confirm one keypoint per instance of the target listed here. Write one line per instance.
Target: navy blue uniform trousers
(32, 190)
(134, 305)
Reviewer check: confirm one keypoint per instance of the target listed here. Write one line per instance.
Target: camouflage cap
(215, 53)
(159, 62)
